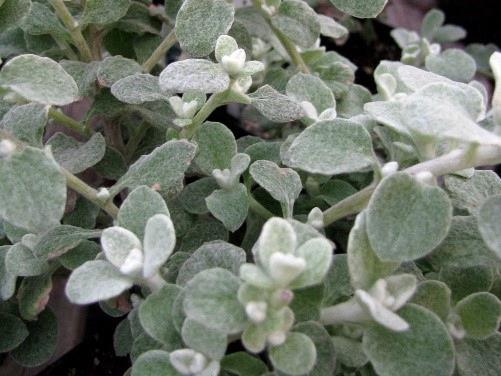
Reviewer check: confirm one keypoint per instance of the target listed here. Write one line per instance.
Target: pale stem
(73, 28)
(456, 160)
(155, 282)
(160, 51)
(69, 123)
(346, 312)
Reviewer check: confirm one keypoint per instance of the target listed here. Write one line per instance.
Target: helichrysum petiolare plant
(348, 233)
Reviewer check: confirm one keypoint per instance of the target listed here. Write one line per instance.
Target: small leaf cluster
(348, 232)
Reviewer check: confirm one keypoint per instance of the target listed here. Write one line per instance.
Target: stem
(70, 54)
(155, 282)
(456, 160)
(215, 100)
(89, 193)
(346, 312)
(290, 47)
(68, 122)
(73, 28)
(160, 51)
(259, 209)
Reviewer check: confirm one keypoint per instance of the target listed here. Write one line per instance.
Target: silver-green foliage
(346, 231)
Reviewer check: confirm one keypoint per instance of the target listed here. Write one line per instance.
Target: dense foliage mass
(348, 234)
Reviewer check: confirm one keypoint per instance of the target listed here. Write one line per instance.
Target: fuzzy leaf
(298, 21)
(76, 156)
(243, 364)
(20, 261)
(229, 206)
(296, 356)
(138, 89)
(164, 166)
(103, 12)
(331, 147)
(84, 75)
(330, 28)
(140, 205)
(307, 87)
(33, 295)
(155, 314)
(489, 223)
(434, 296)
(193, 196)
(452, 63)
(277, 235)
(95, 281)
(364, 265)
(210, 342)
(86, 251)
(153, 363)
(13, 332)
(216, 147)
(480, 314)
(41, 20)
(284, 184)
(466, 280)
(200, 22)
(7, 279)
(470, 194)
(419, 216)
(425, 348)
(40, 344)
(211, 298)
(349, 352)
(275, 106)
(477, 357)
(114, 68)
(12, 13)
(216, 254)
(318, 256)
(326, 355)
(26, 122)
(159, 242)
(194, 75)
(61, 239)
(360, 8)
(39, 79)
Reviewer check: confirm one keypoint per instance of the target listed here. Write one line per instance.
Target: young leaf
(164, 166)
(360, 8)
(26, 122)
(425, 348)
(331, 147)
(364, 265)
(159, 242)
(76, 156)
(40, 344)
(489, 223)
(296, 356)
(275, 106)
(298, 21)
(216, 254)
(229, 206)
(155, 315)
(419, 216)
(194, 75)
(13, 332)
(153, 363)
(216, 147)
(39, 79)
(309, 88)
(140, 205)
(200, 22)
(284, 184)
(210, 342)
(103, 12)
(138, 89)
(95, 281)
(211, 298)
(480, 314)
(318, 256)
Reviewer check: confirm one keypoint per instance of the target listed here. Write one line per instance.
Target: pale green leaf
(26, 122)
(296, 356)
(435, 296)
(326, 354)
(463, 281)
(194, 75)
(424, 349)
(103, 12)
(360, 8)
(489, 223)
(7, 279)
(193, 196)
(153, 363)
(114, 68)
(331, 28)
(298, 21)
(229, 206)
(138, 89)
(117, 243)
(200, 22)
(454, 64)
(42, 20)
(211, 298)
(210, 342)
(95, 281)
(76, 156)
(309, 88)
(140, 205)
(33, 295)
(159, 242)
(331, 147)
(243, 364)
(419, 216)
(13, 332)
(39, 79)
(277, 235)
(318, 256)
(84, 75)
(275, 106)
(480, 314)
(349, 352)
(12, 13)
(477, 357)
